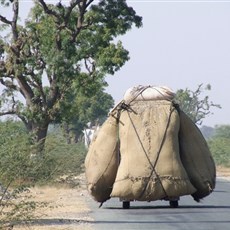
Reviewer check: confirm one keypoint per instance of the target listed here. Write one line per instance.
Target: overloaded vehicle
(148, 149)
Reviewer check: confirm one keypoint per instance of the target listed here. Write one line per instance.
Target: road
(212, 213)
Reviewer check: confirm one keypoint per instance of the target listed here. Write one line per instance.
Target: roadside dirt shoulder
(223, 171)
(69, 212)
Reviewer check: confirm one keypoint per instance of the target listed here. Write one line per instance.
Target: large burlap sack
(196, 158)
(150, 167)
(146, 93)
(102, 161)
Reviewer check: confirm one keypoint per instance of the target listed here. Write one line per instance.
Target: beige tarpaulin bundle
(147, 150)
(196, 158)
(150, 167)
(102, 161)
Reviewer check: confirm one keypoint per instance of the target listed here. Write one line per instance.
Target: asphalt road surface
(212, 213)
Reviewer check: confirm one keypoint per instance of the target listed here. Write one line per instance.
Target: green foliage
(193, 105)
(5, 2)
(19, 165)
(82, 107)
(20, 169)
(58, 49)
(14, 152)
(16, 171)
(222, 131)
(65, 159)
(219, 145)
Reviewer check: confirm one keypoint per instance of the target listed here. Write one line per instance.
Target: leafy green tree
(195, 107)
(59, 45)
(220, 145)
(82, 109)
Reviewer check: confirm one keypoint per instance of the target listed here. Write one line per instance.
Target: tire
(126, 204)
(173, 203)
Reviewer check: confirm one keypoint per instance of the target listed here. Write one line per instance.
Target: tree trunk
(67, 133)
(39, 133)
(76, 137)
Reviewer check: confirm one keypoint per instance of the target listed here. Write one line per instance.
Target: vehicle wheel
(126, 204)
(173, 203)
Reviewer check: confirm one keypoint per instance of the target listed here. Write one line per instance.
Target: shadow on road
(154, 222)
(180, 207)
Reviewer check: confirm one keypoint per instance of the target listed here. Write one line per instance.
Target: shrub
(16, 168)
(220, 148)
(19, 170)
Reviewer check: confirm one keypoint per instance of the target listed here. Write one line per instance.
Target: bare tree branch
(90, 66)
(10, 112)
(5, 20)
(20, 116)
(36, 83)
(82, 5)
(73, 4)
(15, 19)
(25, 88)
(8, 84)
(88, 3)
(48, 10)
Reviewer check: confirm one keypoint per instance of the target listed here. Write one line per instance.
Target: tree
(58, 45)
(82, 109)
(191, 103)
(222, 131)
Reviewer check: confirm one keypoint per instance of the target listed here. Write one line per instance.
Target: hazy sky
(181, 44)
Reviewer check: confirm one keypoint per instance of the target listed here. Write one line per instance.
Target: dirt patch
(69, 212)
(223, 171)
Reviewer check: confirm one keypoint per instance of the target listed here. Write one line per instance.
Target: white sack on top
(146, 93)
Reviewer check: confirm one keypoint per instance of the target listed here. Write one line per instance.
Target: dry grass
(69, 212)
